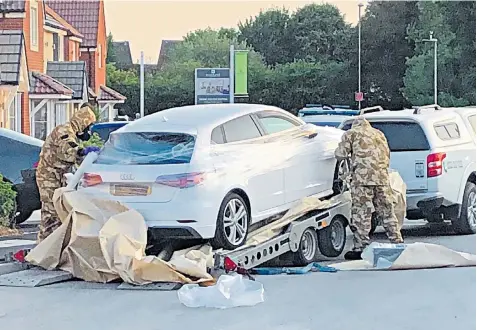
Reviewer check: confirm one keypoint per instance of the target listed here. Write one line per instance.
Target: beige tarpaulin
(399, 193)
(102, 240)
(417, 256)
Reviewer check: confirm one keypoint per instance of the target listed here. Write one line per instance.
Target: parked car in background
(201, 172)
(105, 129)
(325, 109)
(19, 156)
(434, 150)
(325, 120)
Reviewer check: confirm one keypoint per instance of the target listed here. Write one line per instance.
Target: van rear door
(409, 150)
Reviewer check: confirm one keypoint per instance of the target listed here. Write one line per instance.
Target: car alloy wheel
(235, 219)
(471, 208)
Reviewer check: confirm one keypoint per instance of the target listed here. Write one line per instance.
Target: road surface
(395, 300)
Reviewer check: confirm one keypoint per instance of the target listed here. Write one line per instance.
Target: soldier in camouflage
(59, 153)
(368, 152)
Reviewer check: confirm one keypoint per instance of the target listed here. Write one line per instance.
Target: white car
(211, 171)
(433, 149)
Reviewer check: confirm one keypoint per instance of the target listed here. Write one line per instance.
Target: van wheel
(341, 169)
(232, 223)
(465, 223)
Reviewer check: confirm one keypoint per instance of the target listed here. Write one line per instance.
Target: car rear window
(147, 149)
(447, 131)
(401, 136)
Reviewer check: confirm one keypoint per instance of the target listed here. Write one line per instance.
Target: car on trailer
(182, 169)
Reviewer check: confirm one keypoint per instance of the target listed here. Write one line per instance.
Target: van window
(401, 136)
(472, 122)
(240, 129)
(447, 131)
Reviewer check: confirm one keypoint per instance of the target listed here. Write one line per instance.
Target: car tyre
(308, 250)
(233, 217)
(342, 167)
(332, 239)
(465, 224)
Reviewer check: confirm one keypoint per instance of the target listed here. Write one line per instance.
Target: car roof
(8, 133)
(324, 118)
(111, 124)
(194, 116)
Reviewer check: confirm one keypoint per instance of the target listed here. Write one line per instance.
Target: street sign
(212, 86)
(358, 96)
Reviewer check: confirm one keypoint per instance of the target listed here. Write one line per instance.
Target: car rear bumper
(422, 204)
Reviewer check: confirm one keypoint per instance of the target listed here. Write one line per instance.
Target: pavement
(392, 300)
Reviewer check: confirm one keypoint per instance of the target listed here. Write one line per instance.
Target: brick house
(52, 59)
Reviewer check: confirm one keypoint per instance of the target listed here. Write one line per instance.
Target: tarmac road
(396, 300)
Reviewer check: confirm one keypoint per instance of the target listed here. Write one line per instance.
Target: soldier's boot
(353, 255)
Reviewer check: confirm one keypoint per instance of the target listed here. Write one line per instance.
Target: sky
(146, 23)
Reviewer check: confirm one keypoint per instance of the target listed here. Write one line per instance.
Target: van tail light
(90, 179)
(435, 164)
(35, 165)
(183, 180)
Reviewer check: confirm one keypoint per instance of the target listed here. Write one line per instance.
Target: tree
(268, 34)
(384, 50)
(110, 55)
(320, 33)
(455, 71)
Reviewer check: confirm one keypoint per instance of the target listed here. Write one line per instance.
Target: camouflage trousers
(365, 201)
(49, 218)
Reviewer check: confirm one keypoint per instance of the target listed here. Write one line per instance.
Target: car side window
(447, 131)
(472, 121)
(240, 129)
(217, 135)
(275, 122)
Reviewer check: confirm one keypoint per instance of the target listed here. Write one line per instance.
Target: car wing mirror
(312, 135)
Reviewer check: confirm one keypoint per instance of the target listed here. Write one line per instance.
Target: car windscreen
(152, 148)
(401, 136)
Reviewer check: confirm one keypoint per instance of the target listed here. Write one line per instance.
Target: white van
(433, 149)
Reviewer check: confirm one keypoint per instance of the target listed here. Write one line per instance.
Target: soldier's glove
(87, 150)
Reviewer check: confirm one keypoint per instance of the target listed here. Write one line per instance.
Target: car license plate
(130, 190)
(420, 169)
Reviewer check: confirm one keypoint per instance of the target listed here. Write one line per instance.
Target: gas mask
(85, 135)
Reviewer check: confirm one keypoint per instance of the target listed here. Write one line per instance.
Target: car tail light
(434, 164)
(229, 265)
(90, 179)
(184, 180)
(35, 165)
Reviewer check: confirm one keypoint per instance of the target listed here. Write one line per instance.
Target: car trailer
(317, 232)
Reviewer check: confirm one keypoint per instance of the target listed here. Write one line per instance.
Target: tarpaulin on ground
(399, 194)
(101, 241)
(385, 256)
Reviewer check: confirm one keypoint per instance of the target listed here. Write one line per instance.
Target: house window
(14, 113)
(100, 56)
(40, 121)
(34, 25)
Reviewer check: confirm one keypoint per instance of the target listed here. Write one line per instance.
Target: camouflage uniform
(368, 151)
(58, 155)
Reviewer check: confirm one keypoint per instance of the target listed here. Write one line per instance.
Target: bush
(7, 202)
(94, 140)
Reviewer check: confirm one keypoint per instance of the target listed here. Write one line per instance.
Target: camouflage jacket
(368, 151)
(60, 150)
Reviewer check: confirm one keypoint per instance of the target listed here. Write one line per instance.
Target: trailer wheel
(308, 250)
(332, 239)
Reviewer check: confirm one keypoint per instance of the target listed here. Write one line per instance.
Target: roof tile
(43, 84)
(109, 94)
(12, 6)
(82, 14)
(71, 74)
(10, 54)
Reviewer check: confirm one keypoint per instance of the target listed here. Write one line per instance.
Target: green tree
(110, 55)
(384, 50)
(455, 71)
(268, 34)
(320, 33)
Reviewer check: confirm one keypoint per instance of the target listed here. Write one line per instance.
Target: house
(166, 47)
(122, 54)
(52, 59)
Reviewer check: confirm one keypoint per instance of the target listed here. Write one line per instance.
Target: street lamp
(434, 40)
(360, 5)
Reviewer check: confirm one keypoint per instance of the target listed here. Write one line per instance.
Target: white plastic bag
(382, 255)
(230, 291)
